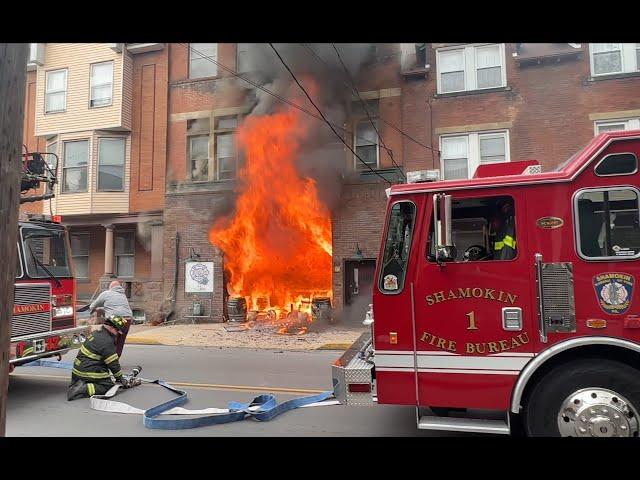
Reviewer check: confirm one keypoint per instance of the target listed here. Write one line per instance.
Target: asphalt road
(37, 404)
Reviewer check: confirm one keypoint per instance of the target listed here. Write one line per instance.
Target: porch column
(108, 251)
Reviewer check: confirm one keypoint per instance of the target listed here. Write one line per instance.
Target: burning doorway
(358, 284)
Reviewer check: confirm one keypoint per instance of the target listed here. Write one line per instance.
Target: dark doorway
(358, 283)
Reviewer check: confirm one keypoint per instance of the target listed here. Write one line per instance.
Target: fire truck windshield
(46, 253)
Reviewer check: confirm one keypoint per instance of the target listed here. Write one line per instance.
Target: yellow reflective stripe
(92, 389)
(27, 350)
(85, 351)
(498, 246)
(111, 358)
(509, 241)
(91, 374)
(118, 374)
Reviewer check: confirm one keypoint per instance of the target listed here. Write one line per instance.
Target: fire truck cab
(44, 314)
(507, 302)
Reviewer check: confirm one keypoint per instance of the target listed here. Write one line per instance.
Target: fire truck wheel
(585, 398)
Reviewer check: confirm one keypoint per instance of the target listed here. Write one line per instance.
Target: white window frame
(64, 164)
(74, 255)
(356, 162)
(92, 84)
(50, 92)
(100, 163)
(214, 65)
(190, 138)
(225, 131)
(117, 255)
(629, 124)
(470, 70)
(628, 60)
(473, 149)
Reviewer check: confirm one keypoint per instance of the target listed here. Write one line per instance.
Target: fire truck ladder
(34, 172)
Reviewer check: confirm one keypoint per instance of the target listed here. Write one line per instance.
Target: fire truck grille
(558, 297)
(31, 323)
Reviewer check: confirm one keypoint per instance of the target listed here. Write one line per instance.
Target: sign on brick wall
(198, 277)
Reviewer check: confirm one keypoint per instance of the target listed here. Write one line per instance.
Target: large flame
(277, 246)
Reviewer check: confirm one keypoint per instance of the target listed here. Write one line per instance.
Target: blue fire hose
(262, 408)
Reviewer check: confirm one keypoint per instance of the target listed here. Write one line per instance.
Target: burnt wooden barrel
(237, 309)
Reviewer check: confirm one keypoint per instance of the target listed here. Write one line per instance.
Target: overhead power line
(366, 109)
(402, 132)
(322, 115)
(266, 90)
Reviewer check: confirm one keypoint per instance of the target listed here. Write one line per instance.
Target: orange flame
(277, 246)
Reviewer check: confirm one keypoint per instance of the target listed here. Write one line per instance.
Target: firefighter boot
(77, 390)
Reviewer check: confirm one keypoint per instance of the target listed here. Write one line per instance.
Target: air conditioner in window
(36, 56)
(421, 176)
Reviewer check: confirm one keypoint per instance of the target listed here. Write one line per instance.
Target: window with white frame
(74, 166)
(617, 125)
(462, 154)
(225, 147)
(199, 157)
(55, 91)
(471, 67)
(612, 58)
(125, 247)
(366, 142)
(111, 158)
(80, 254)
(101, 84)
(202, 57)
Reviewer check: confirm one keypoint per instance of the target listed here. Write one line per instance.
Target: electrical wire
(322, 115)
(366, 109)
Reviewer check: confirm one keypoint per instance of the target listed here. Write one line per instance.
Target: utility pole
(13, 76)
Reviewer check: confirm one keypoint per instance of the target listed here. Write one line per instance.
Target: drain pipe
(175, 280)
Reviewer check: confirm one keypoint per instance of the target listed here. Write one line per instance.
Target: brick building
(442, 107)
(102, 108)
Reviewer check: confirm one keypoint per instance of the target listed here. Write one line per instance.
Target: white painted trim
(389, 369)
(470, 372)
(515, 363)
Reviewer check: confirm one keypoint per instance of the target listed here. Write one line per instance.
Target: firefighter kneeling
(96, 359)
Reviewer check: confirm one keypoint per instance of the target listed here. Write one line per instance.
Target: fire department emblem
(200, 274)
(614, 291)
(390, 282)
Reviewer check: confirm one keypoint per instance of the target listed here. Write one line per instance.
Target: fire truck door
(473, 313)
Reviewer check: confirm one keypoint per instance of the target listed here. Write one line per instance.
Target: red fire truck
(543, 340)
(44, 317)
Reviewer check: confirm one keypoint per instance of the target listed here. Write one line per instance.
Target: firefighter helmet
(116, 322)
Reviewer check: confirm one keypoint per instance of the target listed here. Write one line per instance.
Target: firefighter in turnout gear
(504, 247)
(96, 361)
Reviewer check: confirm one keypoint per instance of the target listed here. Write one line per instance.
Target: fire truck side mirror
(445, 250)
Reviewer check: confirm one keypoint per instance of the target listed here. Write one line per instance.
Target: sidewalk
(216, 335)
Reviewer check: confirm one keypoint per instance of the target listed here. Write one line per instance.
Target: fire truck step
(452, 424)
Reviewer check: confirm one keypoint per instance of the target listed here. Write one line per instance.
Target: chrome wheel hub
(597, 412)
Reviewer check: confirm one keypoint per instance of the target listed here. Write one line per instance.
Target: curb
(142, 341)
(334, 346)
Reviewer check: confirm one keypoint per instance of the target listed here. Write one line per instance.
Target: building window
(462, 154)
(125, 248)
(52, 162)
(199, 157)
(80, 254)
(56, 91)
(74, 170)
(242, 57)
(202, 58)
(101, 84)
(225, 147)
(608, 223)
(617, 125)
(612, 58)
(366, 142)
(111, 158)
(473, 67)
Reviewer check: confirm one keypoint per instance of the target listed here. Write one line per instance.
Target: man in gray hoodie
(114, 301)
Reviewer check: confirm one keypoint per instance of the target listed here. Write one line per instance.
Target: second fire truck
(44, 314)
(544, 340)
